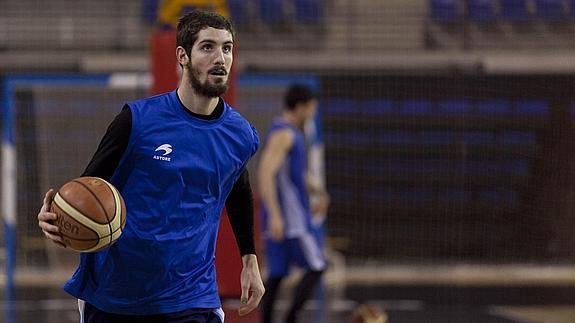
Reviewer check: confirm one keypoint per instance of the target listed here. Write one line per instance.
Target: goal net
(52, 126)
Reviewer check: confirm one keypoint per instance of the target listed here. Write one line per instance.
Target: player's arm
(112, 147)
(103, 164)
(273, 156)
(240, 207)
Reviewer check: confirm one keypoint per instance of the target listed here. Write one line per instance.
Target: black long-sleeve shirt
(239, 203)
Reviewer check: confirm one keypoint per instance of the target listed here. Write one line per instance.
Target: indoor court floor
(407, 294)
(51, 305)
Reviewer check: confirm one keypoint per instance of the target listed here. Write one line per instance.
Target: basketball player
(288, 231)
(177, 158)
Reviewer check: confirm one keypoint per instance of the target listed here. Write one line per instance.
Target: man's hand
(252, 285)
(46, 219)
(319, 203)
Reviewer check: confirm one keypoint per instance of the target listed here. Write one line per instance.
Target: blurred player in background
(319, 203)
(177, 158)
(289, 234)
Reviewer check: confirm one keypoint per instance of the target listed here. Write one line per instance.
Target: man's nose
(220, 57)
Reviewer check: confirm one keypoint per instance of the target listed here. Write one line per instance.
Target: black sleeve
(240, 207)
(111, 147)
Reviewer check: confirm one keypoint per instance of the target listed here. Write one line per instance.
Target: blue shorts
(90, 314)
(304, 251)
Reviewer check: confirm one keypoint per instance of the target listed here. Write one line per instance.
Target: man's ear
(182, 56)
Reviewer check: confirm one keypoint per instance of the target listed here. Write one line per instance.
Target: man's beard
(206, 89)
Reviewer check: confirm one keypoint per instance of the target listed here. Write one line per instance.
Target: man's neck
(194, 102)
(292, 119)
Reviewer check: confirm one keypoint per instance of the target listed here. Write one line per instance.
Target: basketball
(91, 213)
(368, 314)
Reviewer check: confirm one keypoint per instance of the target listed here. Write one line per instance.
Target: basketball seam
(114, 194)
(79, 239)
(102, 206)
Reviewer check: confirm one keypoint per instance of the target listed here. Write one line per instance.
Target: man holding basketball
(177, 159)
(290, 237)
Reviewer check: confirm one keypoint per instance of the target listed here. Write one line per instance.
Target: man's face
(305, 111)
(210, 62)
(308, 109)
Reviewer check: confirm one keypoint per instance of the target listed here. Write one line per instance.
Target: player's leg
(91, 314)
(196, 315)
(81, 304)
(272, 285)
(307, 253)
(319, 294)
(217, 316)
(277, 267)
(302, 293)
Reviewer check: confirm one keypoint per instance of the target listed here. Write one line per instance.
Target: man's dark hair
(191, 23)
(297, 94)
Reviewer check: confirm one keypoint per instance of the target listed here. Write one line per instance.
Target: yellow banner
(171, 10)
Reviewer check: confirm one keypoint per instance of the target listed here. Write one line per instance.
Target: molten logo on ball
(67, 226)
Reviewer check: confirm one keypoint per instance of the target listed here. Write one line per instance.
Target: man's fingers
(50, 195)
(61, 244)
(47, 227)
(245, 294)
(53, 237)
(251, 304)
(255, 296)
(48, 199)
(47, 218)
(44, 216)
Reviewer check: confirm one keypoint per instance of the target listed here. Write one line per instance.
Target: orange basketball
(368, 314)
(91, 213)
